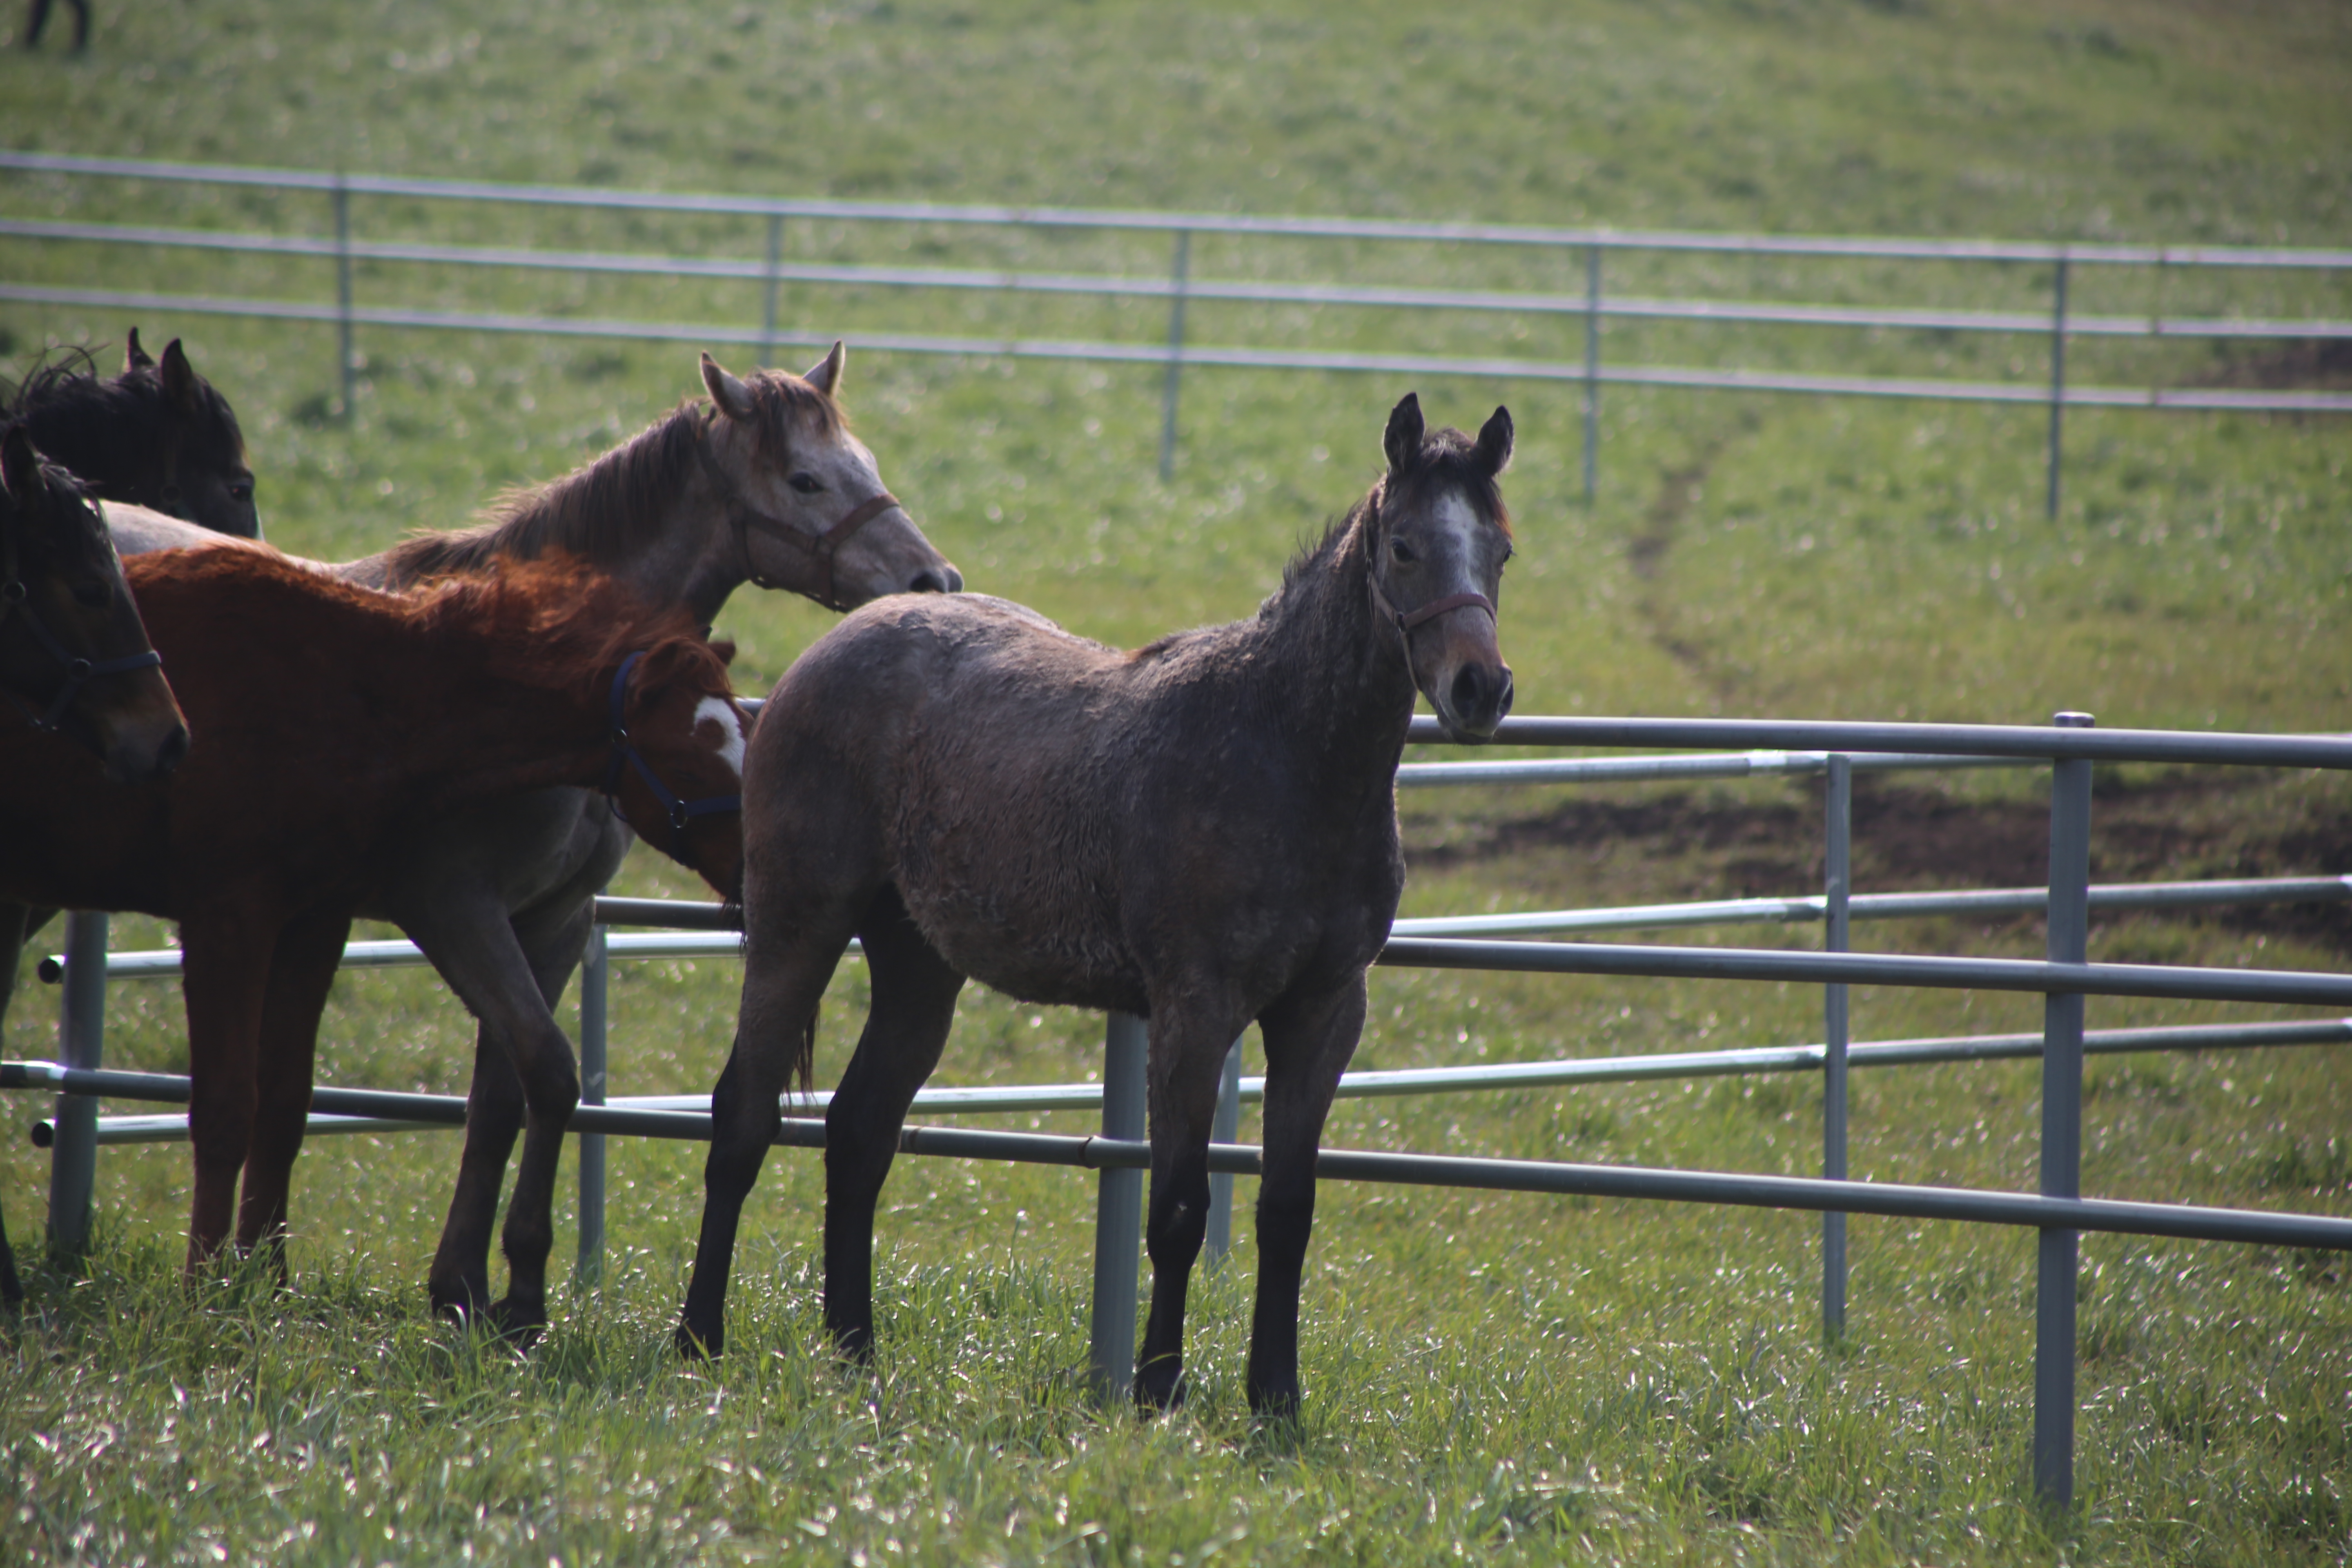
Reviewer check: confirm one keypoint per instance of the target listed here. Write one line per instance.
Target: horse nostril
(173, 751)
(1469, 691)
(932, 582)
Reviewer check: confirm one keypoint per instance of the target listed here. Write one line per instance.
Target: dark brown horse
(1203, 832)
(157, 435)
(305, 772)
(74, 655)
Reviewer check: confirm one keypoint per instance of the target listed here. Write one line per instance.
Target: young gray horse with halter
(1203, 832)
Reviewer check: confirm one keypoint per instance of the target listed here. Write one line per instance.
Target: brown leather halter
(745, 517)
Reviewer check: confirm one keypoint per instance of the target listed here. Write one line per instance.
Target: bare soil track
(2175, 826)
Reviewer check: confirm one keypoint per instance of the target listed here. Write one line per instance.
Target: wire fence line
(1177, 287)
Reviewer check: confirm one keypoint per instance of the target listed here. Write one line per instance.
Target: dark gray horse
(1203, 832)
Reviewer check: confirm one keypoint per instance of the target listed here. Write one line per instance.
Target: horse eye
(1401, 551)
(808, 484)
(93, 596)
(241, 493)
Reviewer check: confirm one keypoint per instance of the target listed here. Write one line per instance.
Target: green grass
(1512, 1377)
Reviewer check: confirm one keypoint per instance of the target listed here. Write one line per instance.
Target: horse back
(1117, 811)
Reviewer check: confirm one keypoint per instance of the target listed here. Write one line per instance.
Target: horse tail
(803, 1069)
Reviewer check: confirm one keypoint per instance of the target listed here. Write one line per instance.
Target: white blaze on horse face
(1458, 522)
(729, 719)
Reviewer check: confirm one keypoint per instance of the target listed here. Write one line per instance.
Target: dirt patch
(2304, 365)
(1910, 836)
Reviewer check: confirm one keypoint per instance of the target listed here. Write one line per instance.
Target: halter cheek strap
(1421, 615)
(746, 517)
(80, 671)
(626, 752)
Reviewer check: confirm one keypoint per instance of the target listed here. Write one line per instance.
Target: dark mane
(605, 508)
(72, 402)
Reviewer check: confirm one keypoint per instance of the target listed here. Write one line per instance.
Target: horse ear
(1493, 450)
(180, 378)
(1403, 442)
(134, 356)
(826, 376)
(733, 398)
(20, 464)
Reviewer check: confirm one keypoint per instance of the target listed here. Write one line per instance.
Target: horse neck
(1337, 676)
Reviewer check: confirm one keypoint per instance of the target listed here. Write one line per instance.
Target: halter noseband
(744, 517)
(15, 599)
(625, 750)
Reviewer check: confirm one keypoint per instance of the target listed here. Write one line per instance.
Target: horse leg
(1186, 1061)
(553, 940)
(914, 1007)
(301, 972)
(224, 967)
(786, 968)
(1309, 1041)
(522, 1064)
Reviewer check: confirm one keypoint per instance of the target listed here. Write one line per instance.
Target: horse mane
(606, 507)
(70, 390)
(553, 623)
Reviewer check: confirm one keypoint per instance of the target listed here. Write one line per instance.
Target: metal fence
(1590, 307)
(2058, 1211)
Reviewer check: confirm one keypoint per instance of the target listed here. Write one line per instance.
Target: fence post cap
(2070, 720)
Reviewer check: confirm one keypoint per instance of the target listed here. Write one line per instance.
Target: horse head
(74, 655)
(808, 504)
(157, 435)
(1435, 544)
(676, 772)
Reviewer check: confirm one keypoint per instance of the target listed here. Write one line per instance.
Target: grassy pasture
(1527, 1379)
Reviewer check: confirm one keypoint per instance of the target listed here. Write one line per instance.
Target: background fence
(2058, 1211)
(341, 243)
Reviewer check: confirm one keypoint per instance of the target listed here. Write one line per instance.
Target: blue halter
(625, 750)
(80, 671)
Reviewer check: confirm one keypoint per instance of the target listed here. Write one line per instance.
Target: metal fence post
(594, 969)
(1591, 367)
(1837, 885)
(1118, 1211)
(2057, 382)
(1224, 1129)
(82, 1041)
(344, 296)
(1178, 269)
(775, 263)
(2062, 1127)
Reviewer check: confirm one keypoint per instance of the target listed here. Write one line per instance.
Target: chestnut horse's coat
(305, 771)
(1203, 832)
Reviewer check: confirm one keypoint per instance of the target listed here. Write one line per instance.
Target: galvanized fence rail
(2058, 1211)
(1592, 307)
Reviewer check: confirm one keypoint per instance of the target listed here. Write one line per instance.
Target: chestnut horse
(74, 655)
(306, 772)
(1203, 832)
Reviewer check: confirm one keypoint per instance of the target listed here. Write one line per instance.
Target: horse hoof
(1159, 1391)
(519, 1326)
(692, 1346)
